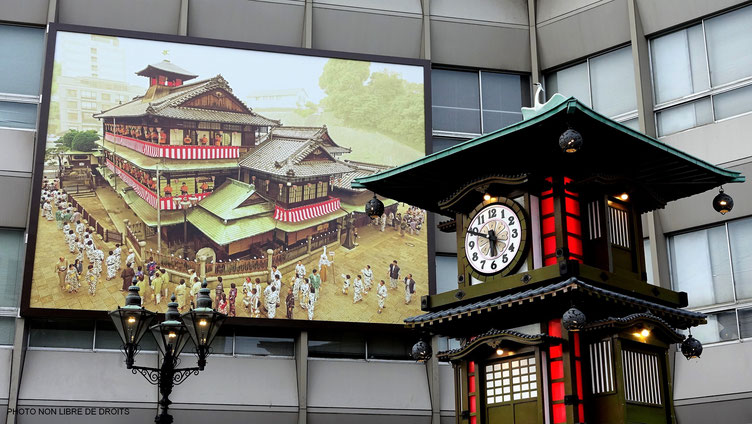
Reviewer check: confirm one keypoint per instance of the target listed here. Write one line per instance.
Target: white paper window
(500, 388)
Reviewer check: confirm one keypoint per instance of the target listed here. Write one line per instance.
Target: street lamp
(185, 204)
(171, 335)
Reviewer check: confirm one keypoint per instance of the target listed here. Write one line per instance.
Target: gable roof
(285, 157)
(307, 133)
(169, 105)
(612, 155)
(226, 200)
(166, 68)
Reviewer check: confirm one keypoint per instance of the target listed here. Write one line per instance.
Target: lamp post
(185, 203)
(200, 324)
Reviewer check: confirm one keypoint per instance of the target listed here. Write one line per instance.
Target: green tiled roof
(226, 198)
(225, 233)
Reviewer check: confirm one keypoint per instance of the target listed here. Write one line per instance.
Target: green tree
(67, 139)
(85, 141)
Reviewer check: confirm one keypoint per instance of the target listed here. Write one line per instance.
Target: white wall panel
(351, 30)
(503, 46)
(507, 11)
(446, 387)
(582, 34)
(393, 386)
(279, 23)
(721, 142)
(136, 15)
(6, 354)
(404, 6)
(659, 15)
(18, 150)
(24, 11)
(14, 213)
(722, 370)
(551, 9)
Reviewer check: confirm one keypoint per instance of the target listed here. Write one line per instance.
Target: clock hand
(492, 239)
(477, 234)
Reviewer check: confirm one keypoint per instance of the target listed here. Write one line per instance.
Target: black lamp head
(570, 141)
(374, 208)
(691, 348)
(422, 351)
(723, 203)
(573, 319)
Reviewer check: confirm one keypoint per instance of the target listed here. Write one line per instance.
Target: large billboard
(172, 161)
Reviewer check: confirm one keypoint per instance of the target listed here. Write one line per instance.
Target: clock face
(494, 240)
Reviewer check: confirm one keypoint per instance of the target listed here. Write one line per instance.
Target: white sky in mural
(246, 71)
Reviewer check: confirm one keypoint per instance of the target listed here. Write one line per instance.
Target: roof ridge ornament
(540, 107)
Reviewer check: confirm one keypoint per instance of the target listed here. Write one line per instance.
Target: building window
(106, 97)
(296, 194)
(11, 266)
(510, 380)
(7, 330)
(264, 346)
(322, 189)
(337, 345)
(71, 104)
(61, 334)
(309, 191)
(472, 103)
(703, 74)
(21, 58)
(85, 94)
(605, 82)
(88, 105)
(714, 267)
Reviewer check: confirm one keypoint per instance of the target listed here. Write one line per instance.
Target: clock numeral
(511, 247)
(481, 219)
(511, 220)
(514, 233)
(471, 244)
(504, 258)
(492, 213)
(475, 256)
(474, 229)
(482, 264)
(503, 211)
(493, 265)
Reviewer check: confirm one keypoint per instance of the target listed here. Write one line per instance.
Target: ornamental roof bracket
(492, 339)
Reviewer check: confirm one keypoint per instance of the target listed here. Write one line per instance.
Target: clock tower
(556, 321)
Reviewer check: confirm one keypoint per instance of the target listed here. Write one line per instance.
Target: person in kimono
(222, 304)
(79, 267)
(275, 274)
(80, 249)
(118, 256)
(131, 258)
(180, 293)
(393, 274)
(112, 266)
(409, 288)
(277, 283)
(300, 269)
(345, 283)
(166, 282)
(257, 286)
(98, 256)
(59, 218)
(324, 264)
(218, 291)
(61, 268)
(247, 286)
(47, 208)
(271, 301)
(231, 300)
(70, 240)
(66, 228)
(305, 292)
(195, 287)
(383, 222)
(92, 278)
(90, 250)
(358, 290)
(71, 280)
(382, 293)
(315, 281)
(311, 303)
(255, 303)
(157, 283)
(127, 275)
(80, 230)
(290, 302)
(367, 273)
(296, 286)
(141, 283)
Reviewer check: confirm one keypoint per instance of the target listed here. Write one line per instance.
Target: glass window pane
(108, 338)
(66, 334)
(732, 103)
(680, 118)
(22, 50)
(745, 322)
(222, 343)
(265, 346)
(729, 40)
(679, 65)
(390, 346)
(740, 234)
(572, 81)
(633, 123)
(700, 266)
(502, 99)
(648, 256)
(446, 273)
(18, 115)
(7, 330)
(455, 98)
(11, 266)
(613, 84)
(721, 327)
(339, 345)
(440, 144)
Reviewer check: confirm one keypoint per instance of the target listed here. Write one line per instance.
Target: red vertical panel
(555, 351)
(549, 245)
(576, 340)
(581, 411)
(471, 367)
(575, 245)
(557, 370)
(549, 225)
(572, 206)
(554, 328)
(573, 226)
(560, 413)
(471, 386)
(557, 391)
(547, 206)
(473, 420)
(549, 261)
(472, 404)
(578, 373)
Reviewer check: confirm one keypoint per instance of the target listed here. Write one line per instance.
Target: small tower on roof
(165, 73)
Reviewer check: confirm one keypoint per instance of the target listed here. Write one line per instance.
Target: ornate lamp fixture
(203, 324)
(691, 347)
(723, 203)
(573, 319)
(422, 351)
(570, 141)
(131, 322)
(374, 208)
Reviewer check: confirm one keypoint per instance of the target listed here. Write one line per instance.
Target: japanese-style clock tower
(556, 321)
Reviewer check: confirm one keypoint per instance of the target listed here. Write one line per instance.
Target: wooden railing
(91, 221)
(174, 151)
(236, 267)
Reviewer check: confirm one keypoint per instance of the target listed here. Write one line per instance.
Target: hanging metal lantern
(422, 351)
(573, 319)
(570, 141)
(723, 203)
(374, 208)
(691, 348)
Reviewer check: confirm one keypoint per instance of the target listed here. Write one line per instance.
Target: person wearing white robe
(383, 222)
(247, 293)
(48, 211)
(311, 304)
(274, 274)
(131, 258)
(98, 256)
(300, 269)
(92, 277)
(277, 282)
(367, 277)
(409, 288)
(118, 252)
(345, 284)
(358, 289)
(255, 303)
(80, 230)
(271, 302)
(112, 266)
(70, 238)
(382, 293)
(324, 264)
(305, 290)
(296, 286)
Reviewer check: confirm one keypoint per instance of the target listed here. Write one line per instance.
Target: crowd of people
(410, 222)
